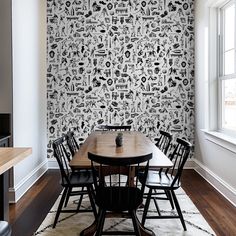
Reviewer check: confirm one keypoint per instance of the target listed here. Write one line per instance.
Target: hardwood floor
(219, 213)
(31, 209)
(29, 212)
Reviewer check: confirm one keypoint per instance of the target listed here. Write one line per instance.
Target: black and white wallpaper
(120, 62)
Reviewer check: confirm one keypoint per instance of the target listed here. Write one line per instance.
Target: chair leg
(90, 194)
(93, 191)
(146, 206)
(135, 224)
(67, 196)
(157, 207)
(168, 194)
(101, 219)
(60, 207)
(80, 200)
(178, 210)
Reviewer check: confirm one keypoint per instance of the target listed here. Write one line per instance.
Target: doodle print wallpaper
(120, 62)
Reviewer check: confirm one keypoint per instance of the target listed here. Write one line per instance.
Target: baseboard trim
(219, 184)
(52, 163)
(190, 164)
(18, 191)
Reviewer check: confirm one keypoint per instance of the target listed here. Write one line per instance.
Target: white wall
(214, 162)
(29, 89)
(5, 57)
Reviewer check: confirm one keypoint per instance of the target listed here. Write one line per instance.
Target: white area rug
(70, 224)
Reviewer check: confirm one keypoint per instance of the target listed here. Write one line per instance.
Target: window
(227, 67)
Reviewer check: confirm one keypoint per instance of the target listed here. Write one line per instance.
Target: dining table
(134, 144)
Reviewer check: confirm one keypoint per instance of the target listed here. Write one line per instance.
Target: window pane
(229, 62)
(229, 26)
(229, 104)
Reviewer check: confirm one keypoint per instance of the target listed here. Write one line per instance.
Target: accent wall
(120, 62)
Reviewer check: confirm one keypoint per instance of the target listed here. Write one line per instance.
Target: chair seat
(118, 199)
(160, 180)
(5, 229)
(79, 178)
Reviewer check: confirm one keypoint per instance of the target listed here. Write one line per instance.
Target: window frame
(221, 63)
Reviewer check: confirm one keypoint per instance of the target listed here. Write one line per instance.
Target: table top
(11, 156)
(134, 144)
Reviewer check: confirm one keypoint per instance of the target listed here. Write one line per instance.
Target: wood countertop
(11, 156)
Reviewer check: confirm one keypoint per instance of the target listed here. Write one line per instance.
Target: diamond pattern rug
(71, 224)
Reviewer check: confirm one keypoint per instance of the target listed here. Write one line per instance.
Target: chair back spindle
(72, 143)
(163, 141)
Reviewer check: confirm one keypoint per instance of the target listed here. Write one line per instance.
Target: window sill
(221, 139)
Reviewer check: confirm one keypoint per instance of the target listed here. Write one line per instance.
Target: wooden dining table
(103, 143)
(134, 144)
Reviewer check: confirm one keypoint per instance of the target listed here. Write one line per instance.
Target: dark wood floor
(219, 213)
(31, 209)
(29, 212)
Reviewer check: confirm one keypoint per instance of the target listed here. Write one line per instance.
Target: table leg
(144, 231)
(4, 198)
(140, 228)
(90, 230)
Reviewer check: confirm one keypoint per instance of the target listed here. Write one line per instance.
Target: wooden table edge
(20, 154)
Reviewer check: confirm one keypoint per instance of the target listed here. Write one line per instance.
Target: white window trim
(212, 132)
(221, 139)
(221, 42)
(221, 76)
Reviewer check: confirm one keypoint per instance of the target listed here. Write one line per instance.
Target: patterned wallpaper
(120, 62)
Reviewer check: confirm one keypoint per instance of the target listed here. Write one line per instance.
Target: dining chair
(117, 191)
(69, 180)
(163, 142)
(73, 147)
(72, 143)
(100, 128)
(118, 127)
(167, 180)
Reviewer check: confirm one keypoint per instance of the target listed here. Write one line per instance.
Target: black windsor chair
(101, 128)
(117, 189)
(113, 128)
(73, 147)
(118, 127)
(163, 142)
(70, 180)
(169, 181)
